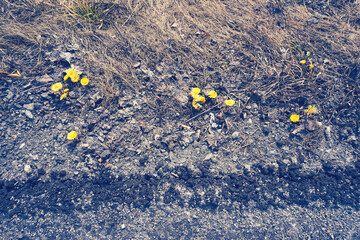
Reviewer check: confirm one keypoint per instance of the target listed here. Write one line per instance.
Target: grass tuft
(91, 11)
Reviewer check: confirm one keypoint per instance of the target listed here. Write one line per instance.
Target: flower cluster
(74, 76)
(198, 99)
(310, 110)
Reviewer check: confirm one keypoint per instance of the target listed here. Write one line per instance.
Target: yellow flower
(75, 77)
(66, 90)
(195, 91)
(229, 102)
(71, 135)
(64, 95)
(311, 109)
(294, 118)
(303, 61)
(196, 105)
(71, 72)
(56, 87)
(84, 81)
(311, 66)
(212, 94)
(198, 98)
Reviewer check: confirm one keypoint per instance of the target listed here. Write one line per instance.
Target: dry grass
(242, 47)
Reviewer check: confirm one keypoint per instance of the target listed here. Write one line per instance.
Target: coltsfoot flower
(84, 81)
(64, 95)
(229, 102)
(303, 61)
(294, 118)
(70, 73)
(75, 78)
(195, 91)
(72, 135)
(212, 94)
(311, 66)
(198, 98)
(311, 110)
(56, 87)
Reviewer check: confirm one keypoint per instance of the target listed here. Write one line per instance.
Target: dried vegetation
(247, 49)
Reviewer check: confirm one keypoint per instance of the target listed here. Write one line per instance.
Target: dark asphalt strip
(264, 187)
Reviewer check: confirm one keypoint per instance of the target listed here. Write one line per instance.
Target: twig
(202, 113)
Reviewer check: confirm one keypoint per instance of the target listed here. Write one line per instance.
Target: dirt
(146, 164)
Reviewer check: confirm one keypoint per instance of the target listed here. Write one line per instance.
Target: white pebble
(27, 168)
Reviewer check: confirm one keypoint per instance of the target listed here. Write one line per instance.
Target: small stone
(235, 135)
(27, 168)
(66, 56)
(105, 154)
(29, 106)
(85, 145)
(351, 138)
(123, 226)
(136, 65)
(29, 114)
(248, 167)
(208, 156)
(319, 124)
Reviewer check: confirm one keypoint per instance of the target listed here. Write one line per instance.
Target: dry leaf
(45, 79)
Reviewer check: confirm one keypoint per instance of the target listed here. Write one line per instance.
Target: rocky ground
(146, 164)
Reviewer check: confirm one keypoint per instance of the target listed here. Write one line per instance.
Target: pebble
(351, 138)
(209, 156)
(29, 114)
(105, 154)
(247, 166)
(136, 65)
(27, 168)
(29, 106)
(235, 135)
